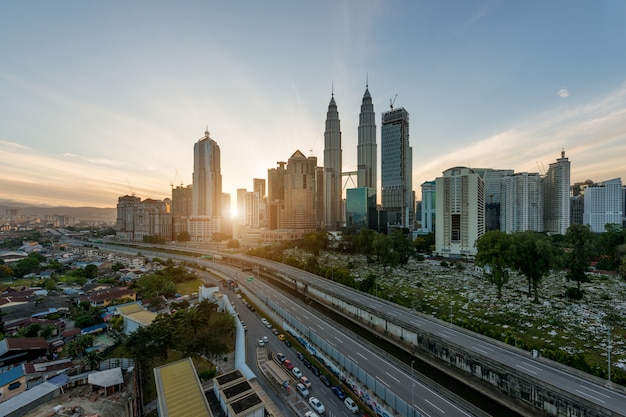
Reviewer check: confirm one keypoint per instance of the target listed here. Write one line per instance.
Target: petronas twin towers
(366, 148)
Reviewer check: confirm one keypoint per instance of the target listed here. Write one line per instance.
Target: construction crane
(174, 179)
(132, 192)
(392, 101)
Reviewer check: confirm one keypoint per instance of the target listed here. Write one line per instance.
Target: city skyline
(103, 100)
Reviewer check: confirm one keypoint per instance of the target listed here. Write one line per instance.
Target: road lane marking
(383, 382)
(392, 377)
(444, 335)
(422, 412)
(480, 350)
(590, 396)
(595, 392)
(352, 359)
(338, 339)
(440, 410)
(526, 369)
(364, 357)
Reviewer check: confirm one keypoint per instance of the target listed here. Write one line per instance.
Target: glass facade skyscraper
(397, 169)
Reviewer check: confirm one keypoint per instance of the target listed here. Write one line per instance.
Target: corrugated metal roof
(179, 390)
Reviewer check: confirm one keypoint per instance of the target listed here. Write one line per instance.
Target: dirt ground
(81, 398)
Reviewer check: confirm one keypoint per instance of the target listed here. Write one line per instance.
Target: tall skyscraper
(493, 181)
(300, 191)
(556, 196)
(604, 205)
(460, 212)
(332, 168)
(207, 178)
(206, 195)
(396, 169)
(521, 202)
(366, 146)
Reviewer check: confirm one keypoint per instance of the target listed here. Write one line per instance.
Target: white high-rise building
(556, 196)
(604, 204)
(521, 206)
(460, 212)
(429, 206)
(253, 203)
(366, 145)
(332, 168)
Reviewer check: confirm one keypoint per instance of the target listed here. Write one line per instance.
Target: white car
(265, 339)
(297, 372)
(310, 414)
(317, 405)
(302, 390)
(261, 343)
(351, 405)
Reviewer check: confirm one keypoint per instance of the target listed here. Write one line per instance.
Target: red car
(287, 364)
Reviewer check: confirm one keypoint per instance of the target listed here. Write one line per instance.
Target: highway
(393, 374)
(597, 392)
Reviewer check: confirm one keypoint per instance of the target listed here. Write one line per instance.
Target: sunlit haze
(102, 99)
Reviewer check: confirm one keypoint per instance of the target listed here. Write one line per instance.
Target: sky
(104, 99)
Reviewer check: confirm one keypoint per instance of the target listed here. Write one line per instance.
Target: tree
(6, 273)
(92, 360)
(401, 246)
(494, 256)
(183, 236)
(580, 242)
(608, 242)
(233, 244)
(91, 271)
(26, 266)
(533, 255)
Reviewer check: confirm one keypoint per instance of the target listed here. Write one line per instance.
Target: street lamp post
(412, 388)
(608, 347)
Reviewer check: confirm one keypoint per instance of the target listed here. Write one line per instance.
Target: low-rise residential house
(12, 382)
(15, 350)
(38, 372)
(135, 317)
(11, 328)
(117, 295)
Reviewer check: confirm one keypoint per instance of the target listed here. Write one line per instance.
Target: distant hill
(107, 214)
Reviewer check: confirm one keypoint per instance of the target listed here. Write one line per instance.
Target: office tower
(332, 168)
(604, 205)
(493, 181)
(251, 215)
(460, 212)
(396, 169)
(241, 205)
(181, 208)
(556, 196)
(361, 208)
(276, 182)
(521, 207)
(207, 178)
(366, 145)
(206, 207)
(300, 191)
(429, 207)
(258, 185)
(275, 195)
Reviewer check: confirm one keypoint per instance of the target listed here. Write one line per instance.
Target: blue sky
(98, 98)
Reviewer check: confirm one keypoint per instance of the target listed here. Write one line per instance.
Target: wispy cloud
(589, 134)
(563, 93)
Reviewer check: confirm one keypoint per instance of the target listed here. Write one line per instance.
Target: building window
(455, 230)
